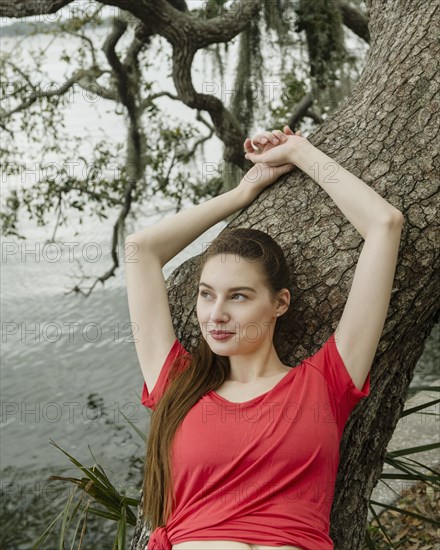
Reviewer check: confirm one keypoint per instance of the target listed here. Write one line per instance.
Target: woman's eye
(205, 294)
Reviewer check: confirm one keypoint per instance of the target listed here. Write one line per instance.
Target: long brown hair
(204, 371)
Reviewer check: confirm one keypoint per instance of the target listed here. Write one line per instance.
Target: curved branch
(178, 27)
(81, 77)
(149, 100)
(88, 40)
(192, 151)
(142, 38)
(187, 34)
(226, 125)
(317, 119)
(109, 273)
(23, 8)
(128, 89)
(205, 122)
(120, 71)
(302, 109)
(354, 19)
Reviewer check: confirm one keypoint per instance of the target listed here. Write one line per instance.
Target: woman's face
(233, 297)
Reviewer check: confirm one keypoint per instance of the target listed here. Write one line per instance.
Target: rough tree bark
(386, 132)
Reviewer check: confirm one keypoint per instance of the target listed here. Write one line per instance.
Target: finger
(288, 131)
(256, 144)
(259, 140)
(280, 135)
(273, 138)
(265, 137)
(270, 137)
(248, 147)
(256, 148)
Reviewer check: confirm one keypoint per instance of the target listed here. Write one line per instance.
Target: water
(69, 368)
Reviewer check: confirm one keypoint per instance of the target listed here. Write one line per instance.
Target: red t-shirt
(262, 471)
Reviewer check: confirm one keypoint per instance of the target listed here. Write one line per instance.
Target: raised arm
(360, 327)
(148, 250)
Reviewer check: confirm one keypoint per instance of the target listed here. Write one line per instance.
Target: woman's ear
(284, 300)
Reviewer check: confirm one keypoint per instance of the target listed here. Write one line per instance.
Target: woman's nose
(219, 313)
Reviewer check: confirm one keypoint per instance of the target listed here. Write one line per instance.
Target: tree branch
(354, 19)
(187, 34)
(109, 273)
(24, 8)
(81, 77)
(149, 100)
(303, 109)
(178, 27)
(86, 39)
(192, 151)
(127, 79)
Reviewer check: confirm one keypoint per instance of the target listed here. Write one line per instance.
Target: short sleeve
(150, 399)
(329, 363)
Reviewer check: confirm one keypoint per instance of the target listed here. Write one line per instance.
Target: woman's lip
(221, 336)
(220, 332)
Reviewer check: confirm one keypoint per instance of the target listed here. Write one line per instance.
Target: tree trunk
(386, 132)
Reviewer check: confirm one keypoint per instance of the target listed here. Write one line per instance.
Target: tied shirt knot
(159, 540)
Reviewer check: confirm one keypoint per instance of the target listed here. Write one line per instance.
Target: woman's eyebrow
(230, 289)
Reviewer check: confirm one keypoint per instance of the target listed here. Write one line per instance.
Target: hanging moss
(322, 23)
(249, 76)
(213, 8)
(275, 12)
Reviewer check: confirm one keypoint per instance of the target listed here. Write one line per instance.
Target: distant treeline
(24, 28)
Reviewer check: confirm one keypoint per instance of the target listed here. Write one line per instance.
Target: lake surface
(69, 368)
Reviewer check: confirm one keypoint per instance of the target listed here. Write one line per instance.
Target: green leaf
(419, 408)
(412, 450)
(433, 521)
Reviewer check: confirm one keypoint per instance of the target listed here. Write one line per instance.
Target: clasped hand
(273, 158)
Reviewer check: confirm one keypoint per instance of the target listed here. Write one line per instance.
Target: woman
(243, 450)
